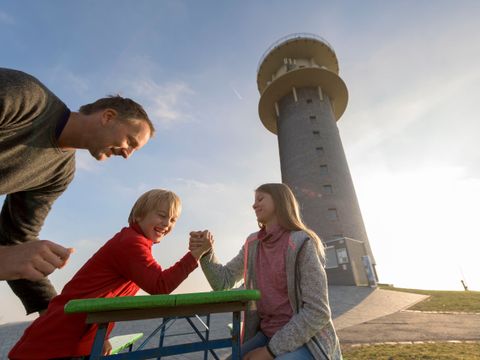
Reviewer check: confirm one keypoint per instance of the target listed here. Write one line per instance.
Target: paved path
(414, 326)
(355, 305)
(9, 334)
(364, 315)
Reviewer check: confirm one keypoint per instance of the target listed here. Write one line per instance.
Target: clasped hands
(200, 243)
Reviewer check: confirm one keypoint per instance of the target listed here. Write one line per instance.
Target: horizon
(408, 130)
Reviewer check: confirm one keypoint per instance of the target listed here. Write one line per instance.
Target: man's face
(119, 137)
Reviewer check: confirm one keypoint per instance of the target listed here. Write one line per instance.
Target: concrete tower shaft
(302, 97)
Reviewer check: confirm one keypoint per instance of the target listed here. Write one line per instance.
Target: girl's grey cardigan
(311, 323)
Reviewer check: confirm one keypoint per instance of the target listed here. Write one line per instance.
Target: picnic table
(102, 311)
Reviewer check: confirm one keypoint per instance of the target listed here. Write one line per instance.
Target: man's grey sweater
(33, 170)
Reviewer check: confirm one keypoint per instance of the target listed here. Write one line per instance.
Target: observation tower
(301, 99)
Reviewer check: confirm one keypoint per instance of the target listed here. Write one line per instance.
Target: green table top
(155, 301)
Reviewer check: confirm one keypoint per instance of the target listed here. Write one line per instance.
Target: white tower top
(295, 61)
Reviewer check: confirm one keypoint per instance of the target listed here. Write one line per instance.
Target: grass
(455, 301)
(449, 301)
(436, 351)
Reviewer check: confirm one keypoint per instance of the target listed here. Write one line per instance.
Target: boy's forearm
(172, 277)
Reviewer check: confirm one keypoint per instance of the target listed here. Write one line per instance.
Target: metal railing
(290, 37)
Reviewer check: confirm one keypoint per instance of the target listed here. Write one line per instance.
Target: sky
(409, 131)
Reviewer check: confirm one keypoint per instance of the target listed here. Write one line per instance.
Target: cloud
(409, 73)
(132, 191)
(166, 104)
(78, 83)
(6, 18)
(412, 101)
(84, 161)
(69, 81)
(395, 114)
(12, 309)
(430, 125)
(198, 185)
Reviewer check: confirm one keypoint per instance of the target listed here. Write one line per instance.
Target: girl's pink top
(274, 307)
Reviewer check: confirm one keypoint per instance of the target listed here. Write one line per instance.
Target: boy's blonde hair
(152, 200)
(287, 211)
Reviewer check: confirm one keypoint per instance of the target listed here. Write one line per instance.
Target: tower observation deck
(301, 99)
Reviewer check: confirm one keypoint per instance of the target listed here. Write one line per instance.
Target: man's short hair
(125, 107)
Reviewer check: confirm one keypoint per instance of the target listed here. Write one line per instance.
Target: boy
(120, 268)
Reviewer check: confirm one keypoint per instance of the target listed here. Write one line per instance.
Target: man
(38, 138)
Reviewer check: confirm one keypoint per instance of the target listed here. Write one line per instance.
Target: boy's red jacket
(119, 268)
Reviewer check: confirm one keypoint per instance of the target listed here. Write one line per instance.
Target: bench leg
(204, 339)
(98, 342)
(236, 336)
(207, 336)
(162, 334)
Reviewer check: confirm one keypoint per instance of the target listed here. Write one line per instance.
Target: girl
(120, 268)
(284, 260)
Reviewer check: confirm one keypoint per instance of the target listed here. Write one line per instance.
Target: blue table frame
(168, 322)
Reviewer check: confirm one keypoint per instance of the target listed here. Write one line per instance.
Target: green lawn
(437, 351)
(464, 301)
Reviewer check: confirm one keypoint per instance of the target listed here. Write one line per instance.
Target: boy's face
(158, 223)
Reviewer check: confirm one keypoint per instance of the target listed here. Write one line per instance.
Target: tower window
(316, 132)
(309, 101)
(342, 256)
(312, 117)
(327, 189)
(320, 150)
(323, 170)
(332, 214)
(291, 67)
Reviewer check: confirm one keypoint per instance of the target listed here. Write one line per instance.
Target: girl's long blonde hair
(287, 211)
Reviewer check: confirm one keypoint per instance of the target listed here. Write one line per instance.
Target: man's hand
(258, 354)
(200, 243)
(32, 260)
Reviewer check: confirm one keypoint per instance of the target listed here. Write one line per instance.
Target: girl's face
(157, 223)
(264, 208)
